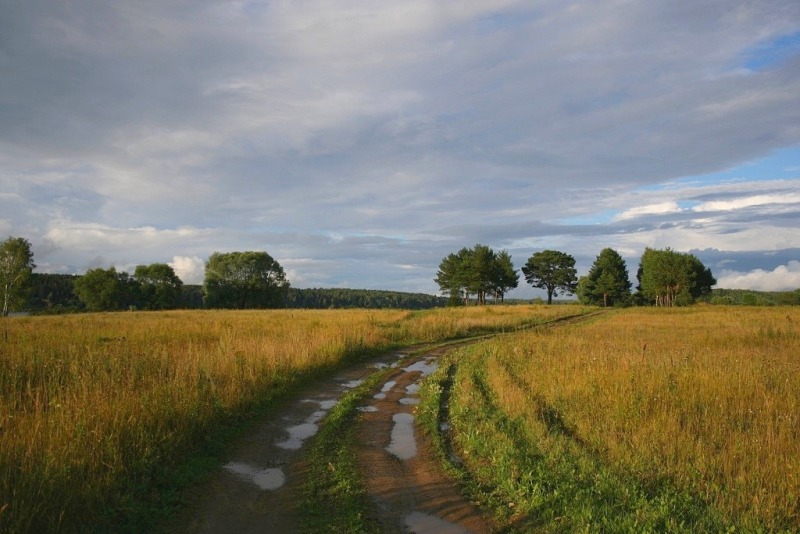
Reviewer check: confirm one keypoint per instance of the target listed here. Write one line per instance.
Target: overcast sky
(360, 142)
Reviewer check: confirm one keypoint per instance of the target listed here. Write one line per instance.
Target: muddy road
(257, 489)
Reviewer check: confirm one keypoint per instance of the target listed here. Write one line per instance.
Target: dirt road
(257, 488)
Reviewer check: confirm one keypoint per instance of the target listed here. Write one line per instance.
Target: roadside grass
(643, 420)
(103, 417)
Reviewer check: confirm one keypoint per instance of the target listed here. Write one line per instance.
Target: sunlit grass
(95, 409)
(683, 419)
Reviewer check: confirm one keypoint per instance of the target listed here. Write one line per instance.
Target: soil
(255, 491)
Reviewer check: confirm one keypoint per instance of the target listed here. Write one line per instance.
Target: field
(683, 420)
(101, 415)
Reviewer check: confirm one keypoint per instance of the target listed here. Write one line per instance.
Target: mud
(408, 487)
(257, 488)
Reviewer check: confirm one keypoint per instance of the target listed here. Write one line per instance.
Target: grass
(643, 420)
(99, 413)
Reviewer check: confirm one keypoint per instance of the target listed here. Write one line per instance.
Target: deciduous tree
(159, 285)
(669, 278)
(106, 290)
(244, 280)
(16, 266)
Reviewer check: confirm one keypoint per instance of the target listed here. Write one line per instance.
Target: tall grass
(694, 412)
(97, 410)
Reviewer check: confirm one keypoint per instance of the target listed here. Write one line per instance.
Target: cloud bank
(359, 142)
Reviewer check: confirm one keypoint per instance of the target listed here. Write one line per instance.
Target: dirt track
(258, 486)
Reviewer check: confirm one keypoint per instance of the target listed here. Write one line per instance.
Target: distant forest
(53, 293)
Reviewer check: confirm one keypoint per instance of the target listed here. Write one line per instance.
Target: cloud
(132, 132)
(190, 269)
(782, 278)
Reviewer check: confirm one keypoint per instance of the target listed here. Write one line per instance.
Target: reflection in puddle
(412, 389)
(368, 409)
(425, 367)
(297, 435)
(266, 479)
(421, 523)
(403, 444)
(350, 384)
(386, 388)
(408, 401)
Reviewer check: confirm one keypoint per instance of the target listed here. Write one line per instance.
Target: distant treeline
(53, 293)
(747, 297)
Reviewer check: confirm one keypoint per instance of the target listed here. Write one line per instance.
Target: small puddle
(368, 409)
(385, 389)
(350, 384)
(421, 523)
(299, 433)
(403, 445)
(412, 389)
(266, 479)
(425, 367)
(408, 401)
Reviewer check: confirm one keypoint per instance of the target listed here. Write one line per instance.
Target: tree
(552, 271)
(106, 290)
(16, 266)
(669, 278)
(244, 280)
(506, 277)
(477, 271)
(159, 285)
(607, 282)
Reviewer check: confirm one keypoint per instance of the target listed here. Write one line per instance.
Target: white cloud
(190, 269)
(652, 209)
(782, 278)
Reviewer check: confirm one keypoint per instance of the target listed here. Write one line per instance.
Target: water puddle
(422, 523)
(385, 389)
(403, 445)
(308, 428)
(368, 409)
(412, 389)
(350, 384)
(425, 367)
(266, 479)
(408, 401)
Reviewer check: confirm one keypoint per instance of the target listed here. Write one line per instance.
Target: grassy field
(682, 420)
(100, 413)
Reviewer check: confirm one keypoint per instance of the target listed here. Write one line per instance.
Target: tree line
(666, 277)
(235, 280)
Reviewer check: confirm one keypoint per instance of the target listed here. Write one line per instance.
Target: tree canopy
(106, 290)
(607, 283)
(244, 280)
(159, 286)
(16, 266)
(477, 271)
(669, 278)
(552, 271)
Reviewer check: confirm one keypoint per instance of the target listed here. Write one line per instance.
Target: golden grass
(94, 407)
(705, 397)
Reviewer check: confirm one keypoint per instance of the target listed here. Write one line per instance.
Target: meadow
(101, 415)
(638, 420)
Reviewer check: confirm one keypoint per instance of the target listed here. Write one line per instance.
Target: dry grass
(94, 408)
(705, 398)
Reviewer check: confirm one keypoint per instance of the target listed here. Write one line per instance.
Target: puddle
(408, 401)
(299, 433)
(403, 444)
(425, 367)
(350, 384)
(368, 409)
(421, 523)
(266, 479)
(412, 389)
(385, 389)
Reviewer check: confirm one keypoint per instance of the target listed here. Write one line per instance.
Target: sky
(361, 142)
